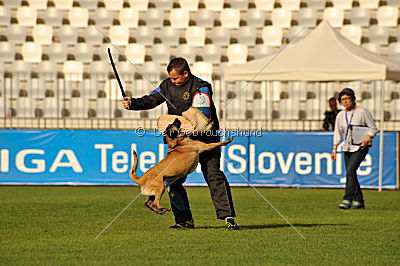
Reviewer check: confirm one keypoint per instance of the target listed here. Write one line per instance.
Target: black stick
(116, 74)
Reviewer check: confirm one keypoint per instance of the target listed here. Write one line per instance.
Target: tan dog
(182, 159)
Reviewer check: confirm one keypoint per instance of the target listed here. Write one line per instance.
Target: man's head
(347, 98)
(178, 71)
(332, 104)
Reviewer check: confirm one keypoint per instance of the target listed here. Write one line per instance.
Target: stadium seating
(195, 36)
(190, 5)
(255, 18)
(281, 17)
(103, 17)
(145, 35)
(83, 52)
(186, 51)
(360, 16)
(114, 5)
(334, 16)
(272, 35)
(141, 5)
(394, 51)
(164, 4)
(56, 36)
(38, 4)
(179, 18)
(266, 5)
(372, 47)
(58, 52)
(170, 36)
(32, 52)
(352, 33)
(78, 17)
(205, 18)
(43, 34)
(230, 18)
(291, 4)
(16, 33)
(387, 16)
(342, 4)
(135, 53)
(53, 16)
(119, 35)
(237, 53)
(89, 4)
(154, 18)
(26, 16)
(214, 5)
(129, 18)
(212, 53)
(369, 4)
(160, 53)
(246, 35)
(307, 17)
(12, 3)
(378, 34)
(221, 36)
(63, 4)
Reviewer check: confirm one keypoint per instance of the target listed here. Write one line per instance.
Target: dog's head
(173, 130)
(173, 134)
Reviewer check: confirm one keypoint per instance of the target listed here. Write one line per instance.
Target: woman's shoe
(346, 204)
(358, 205)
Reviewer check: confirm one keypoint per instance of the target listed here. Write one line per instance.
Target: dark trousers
(352, 161)
(217, 183)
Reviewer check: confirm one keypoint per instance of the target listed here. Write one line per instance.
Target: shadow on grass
(269, 226)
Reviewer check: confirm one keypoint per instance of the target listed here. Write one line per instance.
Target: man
(182, 90)
(330, 116)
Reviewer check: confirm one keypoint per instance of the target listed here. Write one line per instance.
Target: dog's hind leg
(156, 203)
(149, 202)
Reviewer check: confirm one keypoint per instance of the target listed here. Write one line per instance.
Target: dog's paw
(163, 210)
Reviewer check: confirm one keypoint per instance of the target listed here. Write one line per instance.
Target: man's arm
(146, 102)
(202, 100)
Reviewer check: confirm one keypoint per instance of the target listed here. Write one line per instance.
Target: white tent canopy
(323, 55)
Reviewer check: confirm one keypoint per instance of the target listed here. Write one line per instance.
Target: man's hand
(333, 155)
(127, 102)
(365, 142)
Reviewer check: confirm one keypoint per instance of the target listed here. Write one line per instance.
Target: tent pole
(381, 136)
(270, 105)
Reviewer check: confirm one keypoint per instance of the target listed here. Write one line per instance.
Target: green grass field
(58, 225)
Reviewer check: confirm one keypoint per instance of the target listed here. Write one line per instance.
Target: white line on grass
(127, 206)
(267, 201)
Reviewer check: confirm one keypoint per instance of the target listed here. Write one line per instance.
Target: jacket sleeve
(150, 101)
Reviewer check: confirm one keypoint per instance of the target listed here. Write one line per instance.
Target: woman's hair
(349, 92)
(179, 64)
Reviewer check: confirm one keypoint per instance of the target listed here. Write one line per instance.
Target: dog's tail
(132, 173)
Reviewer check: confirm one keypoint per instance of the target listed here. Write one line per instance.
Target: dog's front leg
(211, 146)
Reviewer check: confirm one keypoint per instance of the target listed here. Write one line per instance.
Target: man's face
(333, 105)
(178, 79)
(346, 101)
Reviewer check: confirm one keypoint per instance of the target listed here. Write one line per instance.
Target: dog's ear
(177, 123)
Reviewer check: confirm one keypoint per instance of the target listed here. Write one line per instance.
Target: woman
(354, 153)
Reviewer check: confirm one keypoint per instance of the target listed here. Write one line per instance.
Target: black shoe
(358, 205)
(231, 224)
(187, 224)
(345, 205)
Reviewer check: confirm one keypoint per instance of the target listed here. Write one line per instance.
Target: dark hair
(332, 99)
(349, 92)
(179, 64)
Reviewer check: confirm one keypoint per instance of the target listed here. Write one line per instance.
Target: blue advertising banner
(104, 157)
